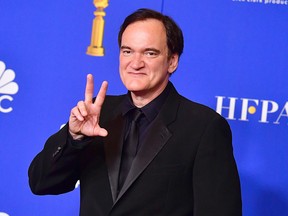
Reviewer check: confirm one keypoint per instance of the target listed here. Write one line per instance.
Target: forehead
(150, 30)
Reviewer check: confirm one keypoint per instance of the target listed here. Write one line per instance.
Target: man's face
(144, 63)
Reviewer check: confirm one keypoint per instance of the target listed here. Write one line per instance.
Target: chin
(134, 86)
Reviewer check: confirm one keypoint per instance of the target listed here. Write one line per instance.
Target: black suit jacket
(185, 165)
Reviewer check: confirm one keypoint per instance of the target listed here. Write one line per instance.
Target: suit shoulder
(113, 100)
(198, 110)
(111, 106)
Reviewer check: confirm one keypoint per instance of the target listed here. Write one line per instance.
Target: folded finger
(82, 108)
(75, 113)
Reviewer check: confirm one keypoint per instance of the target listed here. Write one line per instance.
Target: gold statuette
(96, 47)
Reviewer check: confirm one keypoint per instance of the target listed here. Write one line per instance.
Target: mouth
(136, 73)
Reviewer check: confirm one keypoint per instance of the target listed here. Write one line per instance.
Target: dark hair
(174, 35)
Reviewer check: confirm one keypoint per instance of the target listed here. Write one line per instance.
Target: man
(183, 160)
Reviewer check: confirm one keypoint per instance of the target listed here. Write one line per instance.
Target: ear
(173, 63)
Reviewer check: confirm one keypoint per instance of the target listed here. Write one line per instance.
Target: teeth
(7, 86)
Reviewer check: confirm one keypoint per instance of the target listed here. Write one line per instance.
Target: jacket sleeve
(55, 169)
(215, 177)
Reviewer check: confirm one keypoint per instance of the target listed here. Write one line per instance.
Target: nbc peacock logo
(7, 88)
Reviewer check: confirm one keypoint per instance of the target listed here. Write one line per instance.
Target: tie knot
(136, 113)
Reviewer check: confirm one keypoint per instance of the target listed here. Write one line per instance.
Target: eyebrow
(124, 47)
(147, 49)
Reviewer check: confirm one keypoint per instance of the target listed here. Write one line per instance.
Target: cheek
(159, 71)
(122, 76)
(123, 64)
(122, 67)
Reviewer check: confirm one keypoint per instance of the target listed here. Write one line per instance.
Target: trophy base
(95, 51)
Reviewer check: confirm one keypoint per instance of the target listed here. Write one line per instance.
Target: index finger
(89, 88)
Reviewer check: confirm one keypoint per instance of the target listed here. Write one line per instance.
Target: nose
(137, 61)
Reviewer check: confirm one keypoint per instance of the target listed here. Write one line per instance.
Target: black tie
(130, 147)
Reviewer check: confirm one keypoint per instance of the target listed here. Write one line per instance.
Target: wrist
(76, 136)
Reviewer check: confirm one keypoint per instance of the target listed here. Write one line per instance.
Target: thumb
(103, 132)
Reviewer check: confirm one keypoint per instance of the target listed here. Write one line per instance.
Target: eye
(126, 52)
(151, 54)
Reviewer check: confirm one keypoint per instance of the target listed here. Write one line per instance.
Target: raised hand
(84, 118)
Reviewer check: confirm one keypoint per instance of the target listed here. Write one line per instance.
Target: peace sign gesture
(84, 118)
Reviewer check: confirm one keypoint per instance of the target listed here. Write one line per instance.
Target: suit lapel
(113, 148)
(157, 136)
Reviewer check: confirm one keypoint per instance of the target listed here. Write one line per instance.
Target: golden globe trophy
(96, 48)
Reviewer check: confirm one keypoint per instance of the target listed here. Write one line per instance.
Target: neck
(140, 99)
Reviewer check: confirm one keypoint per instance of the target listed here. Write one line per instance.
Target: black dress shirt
(150, 111)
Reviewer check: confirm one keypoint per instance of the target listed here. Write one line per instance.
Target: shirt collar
(151, 109)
